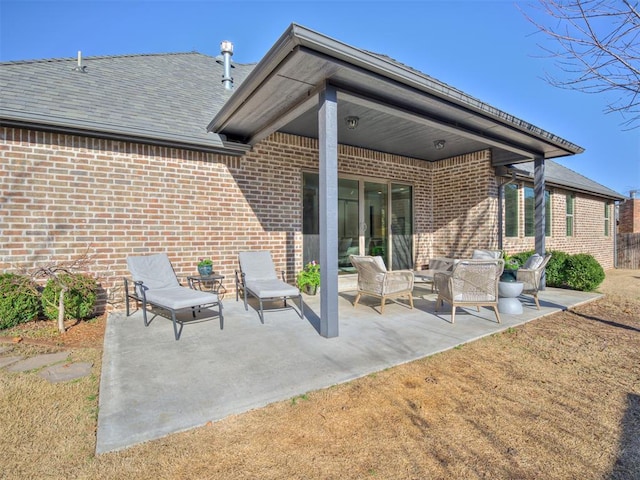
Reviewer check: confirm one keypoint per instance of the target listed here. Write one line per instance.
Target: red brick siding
(465, 205)
(588, 235)
(64, 194)
(630, 216)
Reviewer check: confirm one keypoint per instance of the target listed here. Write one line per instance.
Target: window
(607, 219)
(530, 212)
(571, 200)
(375, 217)
(511, 210)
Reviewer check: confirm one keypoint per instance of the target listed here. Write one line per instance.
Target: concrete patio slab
(153, 385)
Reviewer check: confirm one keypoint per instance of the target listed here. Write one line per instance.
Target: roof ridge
(101, 57)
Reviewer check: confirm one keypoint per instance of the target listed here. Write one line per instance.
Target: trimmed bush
(556, 271)
(79, 300)
(583, 272)
(19, 300)
(522, 257)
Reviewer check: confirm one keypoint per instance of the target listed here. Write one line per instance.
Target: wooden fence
(628, 250)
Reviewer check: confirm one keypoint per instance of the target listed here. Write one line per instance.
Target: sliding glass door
(374, 218)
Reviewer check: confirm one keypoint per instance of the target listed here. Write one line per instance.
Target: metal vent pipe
(226, 48)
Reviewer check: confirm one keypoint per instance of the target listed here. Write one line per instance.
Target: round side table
(508, 297)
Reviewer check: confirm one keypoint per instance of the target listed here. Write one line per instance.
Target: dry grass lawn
(558, 398)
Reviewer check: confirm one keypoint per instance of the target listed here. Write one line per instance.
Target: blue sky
(485, 48)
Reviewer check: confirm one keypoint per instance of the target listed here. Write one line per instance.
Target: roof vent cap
(79, 67)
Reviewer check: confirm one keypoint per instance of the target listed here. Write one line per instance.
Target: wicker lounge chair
(470, 283)
(375, 280)
(531, 273)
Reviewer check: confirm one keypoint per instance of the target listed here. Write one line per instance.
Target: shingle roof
(169, 97)
(162, 97)
(560, 175)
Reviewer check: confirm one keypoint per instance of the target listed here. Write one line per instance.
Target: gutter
(222, 146)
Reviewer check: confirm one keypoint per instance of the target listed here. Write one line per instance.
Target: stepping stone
(66, 371)
(4, 361)
(38, 361)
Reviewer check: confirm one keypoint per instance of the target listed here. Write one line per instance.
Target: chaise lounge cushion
(180, 297)
(155, 271)
(271, 288)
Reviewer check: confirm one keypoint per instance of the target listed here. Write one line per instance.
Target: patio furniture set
(459, 282)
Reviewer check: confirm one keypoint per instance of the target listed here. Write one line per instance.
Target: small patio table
(508, 297)
(210, 283)
(426, 276)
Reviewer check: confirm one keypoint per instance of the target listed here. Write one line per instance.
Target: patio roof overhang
(400, 110)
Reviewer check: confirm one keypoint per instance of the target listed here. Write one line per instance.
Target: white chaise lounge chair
(257, 276)
(156, 284)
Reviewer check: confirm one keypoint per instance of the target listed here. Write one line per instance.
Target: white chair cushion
(257, 265)
(533, 262)
(155, 271)
(180, 297)
(486, 255)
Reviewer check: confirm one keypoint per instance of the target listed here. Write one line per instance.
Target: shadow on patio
(153, 385)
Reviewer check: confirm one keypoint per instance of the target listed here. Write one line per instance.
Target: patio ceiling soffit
(282, 93)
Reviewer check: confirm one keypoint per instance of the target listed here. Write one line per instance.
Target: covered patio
(312, 86)
(153, 385)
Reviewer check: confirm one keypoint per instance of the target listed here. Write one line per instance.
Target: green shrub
(79, 300)
(522, 257)
(19, 300)
(583, 272)
(556, 271)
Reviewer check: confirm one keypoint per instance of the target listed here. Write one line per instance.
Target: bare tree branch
(54, 270)
(597, 43)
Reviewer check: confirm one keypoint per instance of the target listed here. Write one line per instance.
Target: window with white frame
(607, 219)
(570, 214)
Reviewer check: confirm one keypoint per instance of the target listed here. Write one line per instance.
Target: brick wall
(464, 205)
(588, 222)
(630, 216)
(64, 195)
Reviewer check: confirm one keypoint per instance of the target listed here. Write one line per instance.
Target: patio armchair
(531, 274)
(470, 283)
(257, 276)
(376, 281)
(156, 284)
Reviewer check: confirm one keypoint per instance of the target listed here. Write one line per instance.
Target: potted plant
(510, 271)
(205, 267)
(308, 280)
